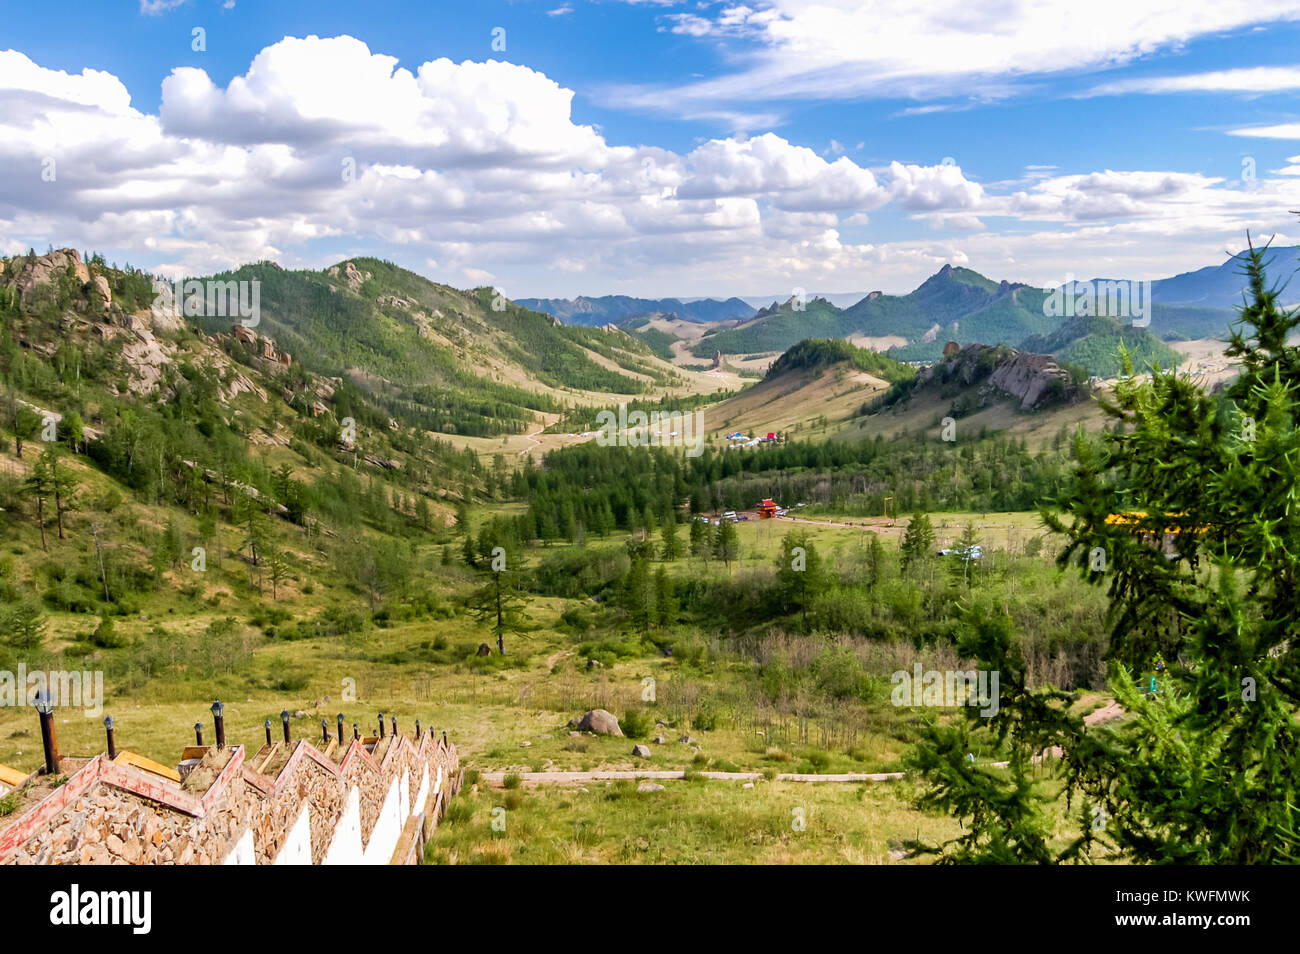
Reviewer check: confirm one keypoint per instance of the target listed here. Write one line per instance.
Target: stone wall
(225, 811)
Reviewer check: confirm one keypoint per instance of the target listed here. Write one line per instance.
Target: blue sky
(655, 147)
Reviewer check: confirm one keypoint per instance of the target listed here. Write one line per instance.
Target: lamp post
(417, 730)
(284, 720)
(198, 733)
(340, 729)
(44, 704)
(356, 731)
(112, 744)
(394, 727)
(267, 726)
(381, 725)
(324, 732)
(219, 723)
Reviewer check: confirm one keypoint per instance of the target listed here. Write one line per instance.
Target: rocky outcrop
(354, 276)
(45, 269)
(1035, 380)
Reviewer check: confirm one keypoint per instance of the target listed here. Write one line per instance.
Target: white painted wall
(242, 853)
(345, 847)
(388, 828)
(297, 847)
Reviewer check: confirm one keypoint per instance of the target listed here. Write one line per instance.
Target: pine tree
(637, 593)
(1203, 570)
(665, 597)
(701, 545)
(40, 484)
(24, 422)
(64, 486)
(672, 544)
(875, 561)
(726, 542)
(500, 600)
(24, 625)
(800, 576)
(963, 563)
(918, 541)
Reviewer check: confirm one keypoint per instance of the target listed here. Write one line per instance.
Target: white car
(729, 515)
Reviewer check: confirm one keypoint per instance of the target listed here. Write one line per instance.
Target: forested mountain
(468, 362)
(961, 305)
(776, 328)
(826, 352)
(1094, 344)
(617, 309)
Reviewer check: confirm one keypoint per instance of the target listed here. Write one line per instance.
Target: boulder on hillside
(641, 751)
(600, 722)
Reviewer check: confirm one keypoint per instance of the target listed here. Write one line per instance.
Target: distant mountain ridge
(961, 305)
(1220, 286)
(616, 309)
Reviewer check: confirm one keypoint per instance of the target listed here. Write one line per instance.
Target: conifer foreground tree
(500, 601)
(1187, 514)
(918, 540)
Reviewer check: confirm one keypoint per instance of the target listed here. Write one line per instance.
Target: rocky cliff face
(46, 269)
(148, 346)
(1035, 380)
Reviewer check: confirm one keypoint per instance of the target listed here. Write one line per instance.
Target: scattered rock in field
(600, 722)
(525, 745)
(659, 740)
(649, 787)
(686, 740)
(575, 732)
(748, 785)
(484, 650)
(641, 751)
(593, 664)
(897, 854)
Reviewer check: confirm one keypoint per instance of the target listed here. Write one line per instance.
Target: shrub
(106, 635)
(636, 723)
(513, 780)
(458, 810)
(706, 720)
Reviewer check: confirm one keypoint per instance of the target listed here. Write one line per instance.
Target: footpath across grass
(686, 822)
